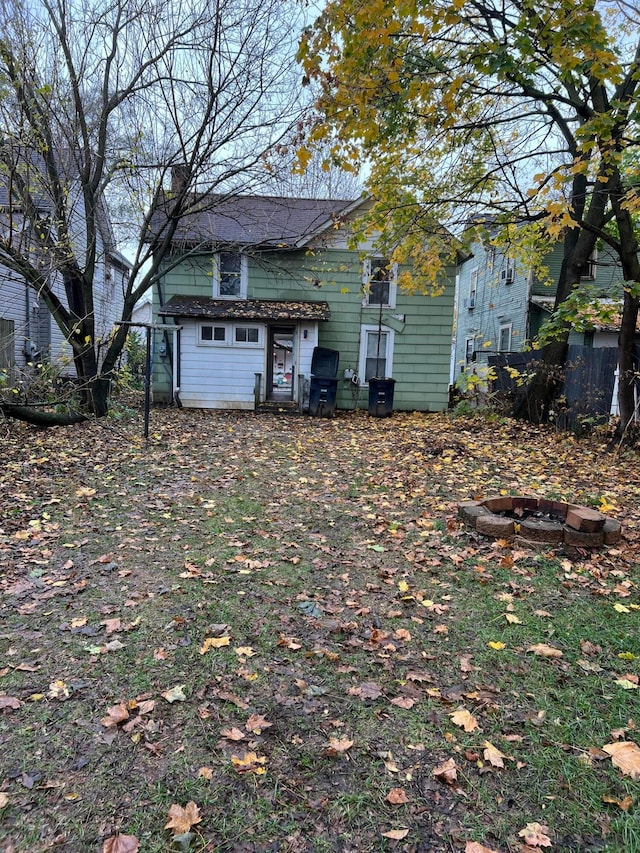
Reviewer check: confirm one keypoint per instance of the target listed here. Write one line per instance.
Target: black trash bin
(322, 396)
(381, 397)
(324, 382)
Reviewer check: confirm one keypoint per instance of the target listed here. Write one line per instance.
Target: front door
(281, 363)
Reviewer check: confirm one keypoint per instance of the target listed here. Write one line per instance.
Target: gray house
(502, 304)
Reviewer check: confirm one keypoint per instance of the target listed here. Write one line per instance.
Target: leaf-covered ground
(261, 633)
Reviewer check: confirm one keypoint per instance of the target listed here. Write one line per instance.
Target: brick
(495, 525)
(531, 504)
(560, 509)
(612, 531)
(584, 519)
(541, 530)
(581, 538)
(470, 511)
(499, 504)
(546, 506)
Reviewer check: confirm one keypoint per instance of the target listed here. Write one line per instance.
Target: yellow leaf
(512, 619)
(214, 643)
(249, 763)
(176, 694)
(403, 586)
(464, 719)
(626, 684)
(621, 608)
(182, 819)
(497, 645)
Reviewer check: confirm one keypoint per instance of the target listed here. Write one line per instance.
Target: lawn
(271, 633)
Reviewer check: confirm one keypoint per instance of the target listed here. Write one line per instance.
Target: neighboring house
(501, 304)
(254, 284)
(28, 333)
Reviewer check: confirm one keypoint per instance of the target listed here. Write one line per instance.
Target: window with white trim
(473, 288)
(247, 335)
(508, 271)
(470, 350)
(229, 334)
(379, 282)
(504, 340)
(210, 335)
(230, 275)
(376, 353)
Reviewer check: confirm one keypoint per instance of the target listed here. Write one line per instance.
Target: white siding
(218, 377)
(305, 347)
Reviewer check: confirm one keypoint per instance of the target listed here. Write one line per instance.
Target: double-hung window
(504, 343)
(376, 353)
(379, 282)
(230, 275)
(473, 289)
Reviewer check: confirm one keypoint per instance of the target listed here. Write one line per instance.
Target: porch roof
(244, 309)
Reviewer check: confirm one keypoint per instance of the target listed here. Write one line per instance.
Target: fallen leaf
(116, 714)
(464, 719)
(121, 844)
(249, 763)
(403, 702)
(182, 819)
(396, 834)
(367, 690)
(245, 651)
(233, 734)
(256, 723)
(337, 745)
(493, 755)
(625, 755)
(59, 690)
(396, 797)
(11, 702)
(475, 847)
(626, 683)
(4, 799)
(214, 643)
(176, 694)
(512, 619)
(205, 773)
(497, 645)
(624, 804)
(447, 772)
(545, 651)
(535, 835)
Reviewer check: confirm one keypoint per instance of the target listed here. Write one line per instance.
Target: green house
(255, 285)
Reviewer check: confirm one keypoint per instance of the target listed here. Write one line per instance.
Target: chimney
(179, 178)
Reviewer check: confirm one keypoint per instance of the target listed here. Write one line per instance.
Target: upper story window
(508, 271)
(473, 289)
(379, 282)
(230, 275)
(588, 270)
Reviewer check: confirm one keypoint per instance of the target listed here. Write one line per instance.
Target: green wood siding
(422, 345)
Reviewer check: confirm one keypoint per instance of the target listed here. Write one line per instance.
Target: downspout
(176, 367)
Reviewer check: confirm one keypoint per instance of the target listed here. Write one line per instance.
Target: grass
(359, 615)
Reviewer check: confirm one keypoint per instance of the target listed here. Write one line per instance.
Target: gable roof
(244, 309)
(265, 222)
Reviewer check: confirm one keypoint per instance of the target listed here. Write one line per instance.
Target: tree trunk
(627, 364)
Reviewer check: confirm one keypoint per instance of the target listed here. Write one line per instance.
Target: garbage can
(324, 382)
(322, 396)
(381, 397)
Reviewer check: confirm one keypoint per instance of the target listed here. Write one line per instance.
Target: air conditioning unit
(507, 275)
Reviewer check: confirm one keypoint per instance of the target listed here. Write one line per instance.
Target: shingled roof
(244, 309)
(256, 221)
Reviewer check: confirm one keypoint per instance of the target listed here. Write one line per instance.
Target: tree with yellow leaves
(518, 113)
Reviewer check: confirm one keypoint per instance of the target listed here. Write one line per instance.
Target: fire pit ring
(539, 521)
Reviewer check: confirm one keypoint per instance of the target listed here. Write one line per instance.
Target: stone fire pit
(538, 521)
